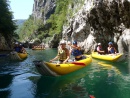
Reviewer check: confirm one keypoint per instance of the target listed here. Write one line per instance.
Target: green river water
(101, 79)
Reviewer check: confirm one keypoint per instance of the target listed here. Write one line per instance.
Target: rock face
(54, 42)
(5, 44)
(101, 21)
(96, 21)
(42, 9)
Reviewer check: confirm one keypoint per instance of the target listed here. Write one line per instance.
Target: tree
(7, 25)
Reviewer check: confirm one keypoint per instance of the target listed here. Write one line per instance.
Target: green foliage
(54, 25)
(26, 29)
(46, 40)
(59, 17)
(30, 29)
(7, 25)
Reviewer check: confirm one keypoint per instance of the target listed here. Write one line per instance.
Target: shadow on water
(4, 85)
(10, 72)
(6, 76)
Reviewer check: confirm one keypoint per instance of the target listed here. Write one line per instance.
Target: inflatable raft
(53, 69)
(107, 57)
(18, 56)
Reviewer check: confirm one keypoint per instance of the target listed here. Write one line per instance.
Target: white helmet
(62, 42)
(99, 43)
(16, 43)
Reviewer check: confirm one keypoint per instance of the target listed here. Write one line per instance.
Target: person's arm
(24, 50)
(76, 47)
(108, 49)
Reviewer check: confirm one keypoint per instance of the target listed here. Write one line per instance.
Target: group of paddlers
(38, 47)
(65, 50)
(110, 49)
(19, 48)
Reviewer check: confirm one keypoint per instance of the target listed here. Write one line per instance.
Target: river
(20, 79)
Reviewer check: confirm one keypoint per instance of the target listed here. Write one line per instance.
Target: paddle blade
(78, 63)
(91, 96)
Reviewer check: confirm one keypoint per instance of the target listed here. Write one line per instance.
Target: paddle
(4, 55)
(78, 63)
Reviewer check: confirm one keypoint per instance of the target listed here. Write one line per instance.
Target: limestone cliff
(92, 21)
(101, 21)
(42, 9)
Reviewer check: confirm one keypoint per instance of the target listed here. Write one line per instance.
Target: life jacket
(17, 49)
(62, 54)
(76, 52)
(112, 50)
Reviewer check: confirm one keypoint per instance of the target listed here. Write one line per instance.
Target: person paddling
(22, 49)
(63, 53)
(17, 48)
(99, 49)
(76, 51)
(111, 49)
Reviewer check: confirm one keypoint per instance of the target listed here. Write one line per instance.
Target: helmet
(99, 43)
(110, 43)
(75, 42)
(20, 44)
(16, 43)
(62, 42)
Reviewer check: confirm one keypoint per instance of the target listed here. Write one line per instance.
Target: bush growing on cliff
(58, 18)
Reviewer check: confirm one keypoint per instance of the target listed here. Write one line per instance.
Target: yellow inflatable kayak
(53, 69)
(18, 56)
(22, 55)
(107, 57)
